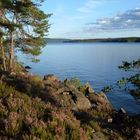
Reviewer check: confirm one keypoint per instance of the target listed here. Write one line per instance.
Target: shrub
(23, 117)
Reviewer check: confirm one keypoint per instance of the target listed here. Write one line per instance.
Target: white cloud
(125, 21)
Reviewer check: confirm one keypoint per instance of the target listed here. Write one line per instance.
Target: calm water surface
(96, 63)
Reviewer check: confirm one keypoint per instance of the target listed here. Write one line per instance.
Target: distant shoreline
(63, 40)
(129, 39)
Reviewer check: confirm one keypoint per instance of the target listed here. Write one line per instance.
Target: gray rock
(51, 78)
(27, 67)
(122, 111)
(83, 103)
(65, 93)
(99, 101)
(89, 89)
(110, 120)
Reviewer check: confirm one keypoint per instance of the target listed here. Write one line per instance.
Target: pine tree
(24, 25)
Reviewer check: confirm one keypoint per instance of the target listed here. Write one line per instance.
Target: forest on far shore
(126, 39)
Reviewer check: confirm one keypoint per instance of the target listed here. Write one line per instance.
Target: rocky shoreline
(90, 114)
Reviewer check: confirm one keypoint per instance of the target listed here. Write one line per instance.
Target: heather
(23, 117)
(50, 109)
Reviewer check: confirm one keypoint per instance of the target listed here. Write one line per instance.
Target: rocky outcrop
(51, 78)
(99, 101)
(78, 110)
(67, 94)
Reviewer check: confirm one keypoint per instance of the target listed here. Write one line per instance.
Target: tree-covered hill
(127, 39)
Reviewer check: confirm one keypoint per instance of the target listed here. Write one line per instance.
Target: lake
(96, 63)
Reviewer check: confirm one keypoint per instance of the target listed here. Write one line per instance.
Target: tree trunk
(11, 51)
(3, 56)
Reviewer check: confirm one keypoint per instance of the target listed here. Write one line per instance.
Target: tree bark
(11, 53)
(3, 56)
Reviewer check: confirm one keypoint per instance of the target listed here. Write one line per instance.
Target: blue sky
(93, 18)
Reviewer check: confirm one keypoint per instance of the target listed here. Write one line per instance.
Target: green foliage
(134, 65)
(91, 127)
(75, 82)
(121, 81)
(134, 80)
(107, 89)
(31, 85)
(95, 125)
(26, 118)
(72, 133)
(35, 60)
(23, 25)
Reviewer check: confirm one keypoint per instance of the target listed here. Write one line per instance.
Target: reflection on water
(95, 63)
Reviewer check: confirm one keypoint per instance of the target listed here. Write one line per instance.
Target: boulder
(102, 99)
(88, 88)
(122, 111)
(51, 80)
(80, 100)
(83, 103)
(99, 101)
(51, 77)
(66, 95)
(110, 120)
(27, 67)
(69, 96)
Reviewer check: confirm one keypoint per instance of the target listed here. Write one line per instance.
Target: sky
(82, 19)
